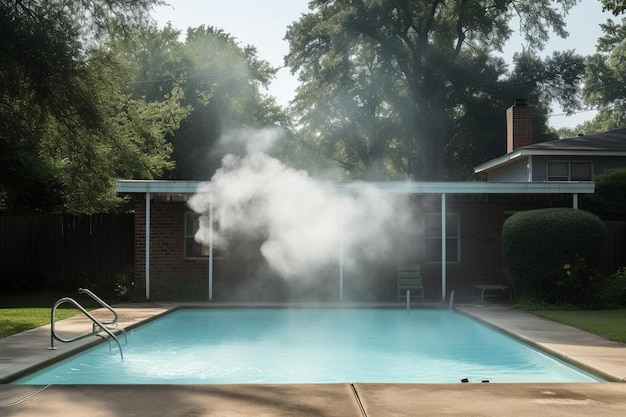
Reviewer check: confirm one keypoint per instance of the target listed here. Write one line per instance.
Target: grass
(19, 312)
(607, 323)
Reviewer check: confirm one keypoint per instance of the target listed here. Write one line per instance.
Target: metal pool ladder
(97, 325)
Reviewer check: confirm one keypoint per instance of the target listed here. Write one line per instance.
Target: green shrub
(553, 254)
(609, 200)
(127, 289)
(612, 291)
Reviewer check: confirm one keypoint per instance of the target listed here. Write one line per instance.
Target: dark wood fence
(614, 256)
(57, 251)
(60, 251)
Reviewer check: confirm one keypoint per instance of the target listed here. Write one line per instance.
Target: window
(193, 249)
(432, 238)
(569, 171)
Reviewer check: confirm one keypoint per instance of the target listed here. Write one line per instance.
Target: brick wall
(167, 245)
(481, 218)
(519, 125)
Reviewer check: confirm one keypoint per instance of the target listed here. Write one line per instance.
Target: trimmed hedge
(554, 254)
(609, 200)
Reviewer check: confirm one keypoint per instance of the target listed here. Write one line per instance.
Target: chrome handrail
(101, 326)
(102, 303)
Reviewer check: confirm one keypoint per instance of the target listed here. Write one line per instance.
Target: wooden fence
(614, 255)
(61, 251)
(58, 251)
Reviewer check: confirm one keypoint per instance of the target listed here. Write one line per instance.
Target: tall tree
(51, 114)
(222, 84)
(605, 79)
(419, 49)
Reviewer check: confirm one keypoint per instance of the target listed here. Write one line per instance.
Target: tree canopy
(384, 83)
(616, 7)
(605, 79)
(91, 91)
(221, 83)
(61, 105)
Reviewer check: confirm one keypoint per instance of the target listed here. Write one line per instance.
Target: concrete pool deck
(28, 349)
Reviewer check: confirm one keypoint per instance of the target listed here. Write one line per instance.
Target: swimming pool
(211, 346)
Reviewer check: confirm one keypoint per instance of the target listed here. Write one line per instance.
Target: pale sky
(263, 24)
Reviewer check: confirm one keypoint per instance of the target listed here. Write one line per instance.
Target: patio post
(148, 245)
(443, 247)
(211, 248)
(341, 254)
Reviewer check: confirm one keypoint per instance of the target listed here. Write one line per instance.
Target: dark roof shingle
(614, 140)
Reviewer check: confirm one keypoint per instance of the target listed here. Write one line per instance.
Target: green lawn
(607, 323)
(19, 312)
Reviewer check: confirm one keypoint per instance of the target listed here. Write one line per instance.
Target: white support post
(341, 254)
(211, 249)
(148, 245)
(575, 200)
(443, 247)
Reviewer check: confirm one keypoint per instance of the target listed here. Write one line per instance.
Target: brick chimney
(519, 125)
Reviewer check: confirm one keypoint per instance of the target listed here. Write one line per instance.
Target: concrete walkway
(599, 399)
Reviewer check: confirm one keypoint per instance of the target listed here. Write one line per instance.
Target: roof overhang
(521, 153)
(401, 187)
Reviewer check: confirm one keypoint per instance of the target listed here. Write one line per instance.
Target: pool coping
(595, 354)
(27, 351)
(329, 400)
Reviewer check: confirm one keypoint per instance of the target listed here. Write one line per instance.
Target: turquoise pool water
(310, 346)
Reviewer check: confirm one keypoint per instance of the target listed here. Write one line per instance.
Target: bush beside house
(554, 255)
(609, 200)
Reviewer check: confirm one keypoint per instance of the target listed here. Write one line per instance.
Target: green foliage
(614, 6)
(392, 91)
(604, 81)
(609, 200)
(66, 125)
(612, 291)
(220, 86)
(128, 289)
(554, 253)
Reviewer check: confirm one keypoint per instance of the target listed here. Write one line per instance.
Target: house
(469, 214)
(571, 159)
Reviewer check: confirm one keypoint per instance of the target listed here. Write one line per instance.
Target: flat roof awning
(402, 187)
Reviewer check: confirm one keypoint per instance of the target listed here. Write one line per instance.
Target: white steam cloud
(304, 224)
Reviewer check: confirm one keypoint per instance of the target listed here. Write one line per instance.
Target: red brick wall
(481, 218)
(167, 245)
(167, 257)
(519, 125)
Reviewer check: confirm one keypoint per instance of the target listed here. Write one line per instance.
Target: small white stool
(489, 291)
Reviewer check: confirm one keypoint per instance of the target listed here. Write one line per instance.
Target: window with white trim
(193, 249)
(569, 171)
(432, 238)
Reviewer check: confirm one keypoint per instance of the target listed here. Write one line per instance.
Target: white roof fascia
(157, 186)
(499, 161)
(403, 187)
